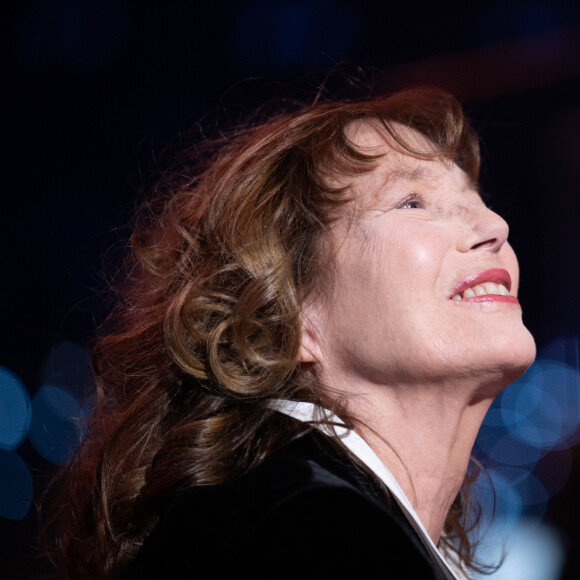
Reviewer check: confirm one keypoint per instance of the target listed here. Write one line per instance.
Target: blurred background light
(514, 503)
(524, 446)
(15, 486)
(498, 498)
(58, 424)
(561, 382)
(533, 492)
(530, 551)
(537, 413)
(538, 416)
(506, 449)
(14, 410)
(63, 404)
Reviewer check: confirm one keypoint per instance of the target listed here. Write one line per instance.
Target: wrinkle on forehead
(370, 137)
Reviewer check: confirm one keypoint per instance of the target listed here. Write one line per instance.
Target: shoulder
(303, 513)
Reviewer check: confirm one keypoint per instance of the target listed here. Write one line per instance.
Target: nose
(487, 230)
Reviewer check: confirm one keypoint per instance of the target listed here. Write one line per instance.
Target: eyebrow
(413, 174)
(424, 174)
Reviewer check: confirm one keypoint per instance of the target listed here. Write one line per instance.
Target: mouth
(493, 285)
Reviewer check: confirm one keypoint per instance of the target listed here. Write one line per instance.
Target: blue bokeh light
(524, 442)
(531, 492)
(538, 408)
(16, 487)
(61, 407)
(58, 424)
(536, 414)
(498, 498)
(562, 382)
(14, 410)
(510, 450)
(528, 550)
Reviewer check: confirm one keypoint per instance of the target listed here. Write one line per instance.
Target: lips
(492, 285)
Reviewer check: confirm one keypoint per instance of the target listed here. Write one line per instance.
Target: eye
(414, 201)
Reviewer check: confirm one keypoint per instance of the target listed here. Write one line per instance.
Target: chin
(501, 364)
(515, 358)
(523, 348)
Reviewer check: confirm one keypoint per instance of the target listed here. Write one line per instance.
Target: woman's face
(418, 239)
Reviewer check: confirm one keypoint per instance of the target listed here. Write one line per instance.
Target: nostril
(490, 242)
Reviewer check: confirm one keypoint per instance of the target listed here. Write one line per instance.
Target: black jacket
(304, 513)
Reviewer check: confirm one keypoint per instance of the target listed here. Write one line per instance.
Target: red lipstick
(496, 275)
(491, 298)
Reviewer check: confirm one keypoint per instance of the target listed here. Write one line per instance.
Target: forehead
(397, 166)
(371, 135)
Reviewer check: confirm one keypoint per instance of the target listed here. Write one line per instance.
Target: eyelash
(415, 198)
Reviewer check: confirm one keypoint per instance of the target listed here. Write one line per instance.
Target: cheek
(391, 261)
(375, 268)
(390, 272)
(415, 258)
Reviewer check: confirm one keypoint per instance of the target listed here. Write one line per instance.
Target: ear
(310, 351)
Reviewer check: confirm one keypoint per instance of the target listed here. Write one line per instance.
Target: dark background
(93, 91)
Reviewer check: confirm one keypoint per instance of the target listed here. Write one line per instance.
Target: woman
(319, 309)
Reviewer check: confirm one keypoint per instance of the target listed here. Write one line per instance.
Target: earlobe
(306, 355)
(309, 349)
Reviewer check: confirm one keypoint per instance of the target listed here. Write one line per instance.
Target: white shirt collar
(308, 412)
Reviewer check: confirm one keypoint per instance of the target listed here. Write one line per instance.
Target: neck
(424, 435)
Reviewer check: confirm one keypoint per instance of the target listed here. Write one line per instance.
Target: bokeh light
(58, 424)
(14, 410)
(498, 498)
(527, 549)
(64, 402)
(536, 414)
(15, 486)
(524, 445)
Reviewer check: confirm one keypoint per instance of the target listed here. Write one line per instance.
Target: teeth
(490, 288)
(481, 289)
